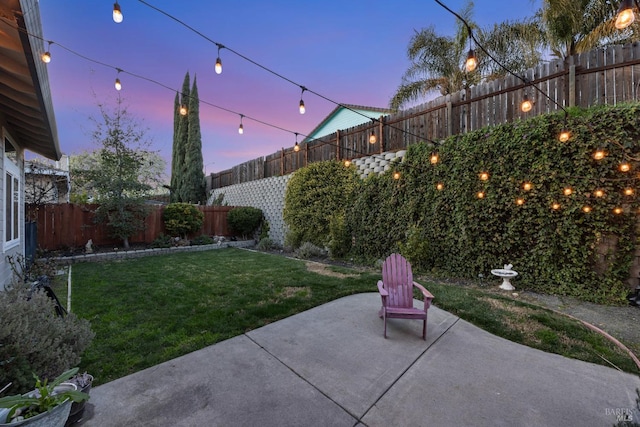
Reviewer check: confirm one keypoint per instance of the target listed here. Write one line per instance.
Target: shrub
(308, 250)
(34, 340)
(202, 240)
(244, 220)
(181, 219)
(266, 244)
(340, 240)
(314, 194)
(264, 229)
(162, 241)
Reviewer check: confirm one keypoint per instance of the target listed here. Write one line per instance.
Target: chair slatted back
(398, 281)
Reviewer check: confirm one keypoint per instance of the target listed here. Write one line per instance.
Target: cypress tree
(174, 154)
(194, 183)
(181, 140)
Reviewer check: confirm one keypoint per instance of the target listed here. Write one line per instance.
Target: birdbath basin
(506, 275)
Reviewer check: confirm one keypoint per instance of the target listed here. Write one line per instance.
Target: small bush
(181, 219)
(244, 220)
(266, 244)
(264, 229)
(202, 240)
(293, 240)
(308, 250)
(162, 241)
(34, 340)
(339, 238)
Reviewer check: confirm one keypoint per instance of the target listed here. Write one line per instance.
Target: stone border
(110, 256)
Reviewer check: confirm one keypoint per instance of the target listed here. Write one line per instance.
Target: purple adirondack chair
(396, 291)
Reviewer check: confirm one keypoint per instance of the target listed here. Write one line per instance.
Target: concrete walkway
(330, 366)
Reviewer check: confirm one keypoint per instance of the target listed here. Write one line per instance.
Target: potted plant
(83, 383)
(46, 406)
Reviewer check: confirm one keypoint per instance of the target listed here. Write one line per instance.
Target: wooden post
(572, 84)
(306, 154)
(338, 144)
(449, 118)
(381, 137)
(282, 162)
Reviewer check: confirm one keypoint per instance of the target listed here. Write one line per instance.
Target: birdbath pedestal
(506, 274)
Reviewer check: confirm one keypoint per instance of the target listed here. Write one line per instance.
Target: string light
(555, 206)
(218, 66)
(617, 210)
(598, 193)
(586, 209)
(241, 127)
(628, 191)
(480, 195)
(117, 84)
(434, 158)
(527, 186)
(372, 138)
(439, 186)
(519, 202)
(484, 176)
(347, 163)
(564, 134)
(624, 167)
(302, 107)
(117, 13)
(183, 110)
(396, 175)
(625, 15)
(526, 104)
(472, 62)
(567, 191)
(46, 57)
(599, 154)
(296, 147)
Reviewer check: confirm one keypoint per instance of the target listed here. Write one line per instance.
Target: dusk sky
(350, 51)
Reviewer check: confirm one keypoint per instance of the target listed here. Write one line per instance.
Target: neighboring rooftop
(346, 116)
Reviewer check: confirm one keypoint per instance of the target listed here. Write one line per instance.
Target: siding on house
(345, 118)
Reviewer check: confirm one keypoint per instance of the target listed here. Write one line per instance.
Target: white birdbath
(506, 273)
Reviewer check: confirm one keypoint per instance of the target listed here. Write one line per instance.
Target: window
(11, 198)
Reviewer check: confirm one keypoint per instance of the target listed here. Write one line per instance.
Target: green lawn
(148, 310)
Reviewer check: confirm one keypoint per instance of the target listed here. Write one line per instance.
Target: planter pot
(77, 408)
(55, 417)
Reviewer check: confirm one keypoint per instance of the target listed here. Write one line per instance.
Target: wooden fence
(607, 75)
(63, 226)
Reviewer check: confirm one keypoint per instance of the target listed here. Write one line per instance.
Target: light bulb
(617, 210)
(555, 206)
(218, 66)
(480, 195)
(599, 154)
(240, 129)
(296, 147)
(46, 57)
(526, 104)
(564, 135)
(434, 159)
(568, 191)
(439, 186)
(372, 138)
(624, 167)
(527, 186)
(586, 209)
(598, 193)
(347, 163)
(472, 62)
(117, 13)
(183, 110)
(628, 191)
(396, 175)
(519, 202)
(118, 85)
(484, 176)
(302, 109)
(625, 15)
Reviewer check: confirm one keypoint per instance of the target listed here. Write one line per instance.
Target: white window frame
(10, 221)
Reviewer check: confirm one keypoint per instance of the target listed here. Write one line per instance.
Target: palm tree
(436, 61)
(576, 26)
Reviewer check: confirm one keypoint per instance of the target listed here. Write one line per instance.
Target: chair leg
(384, 318)
(424, 329)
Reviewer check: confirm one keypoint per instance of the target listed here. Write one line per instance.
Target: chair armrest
(382, 290)
(426, 293)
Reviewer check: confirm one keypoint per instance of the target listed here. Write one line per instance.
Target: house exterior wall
(344, 119)
(6, 274)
